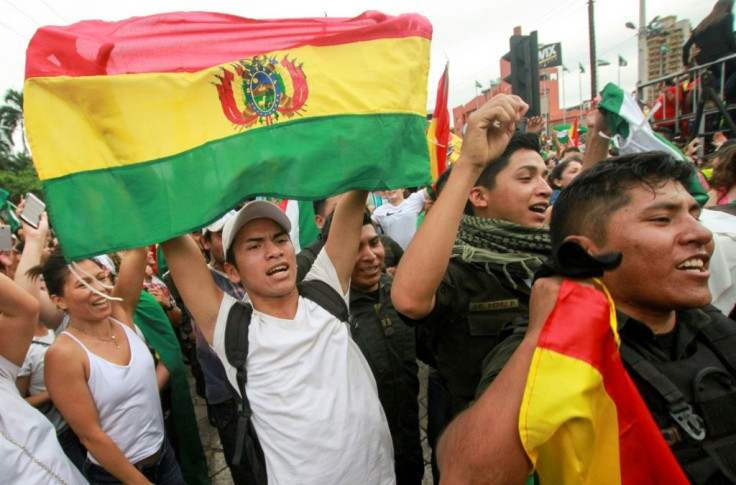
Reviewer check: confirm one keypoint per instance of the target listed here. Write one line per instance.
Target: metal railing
(687, 112)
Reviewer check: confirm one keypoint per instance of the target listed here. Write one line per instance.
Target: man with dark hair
(314, 402)
(323, 209)
(677, 351)
(468, 283)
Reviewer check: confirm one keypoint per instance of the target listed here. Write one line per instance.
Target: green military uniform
(472, 306)
(389, 346)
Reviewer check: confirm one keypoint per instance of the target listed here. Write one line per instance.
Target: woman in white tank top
(101, 376)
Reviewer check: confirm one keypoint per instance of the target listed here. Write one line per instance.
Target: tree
(11, 120)
(17, 174)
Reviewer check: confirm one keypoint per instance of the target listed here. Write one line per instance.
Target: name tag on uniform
(484, 306)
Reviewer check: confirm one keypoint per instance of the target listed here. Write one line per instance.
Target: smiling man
(677, 350)
(468, 281)
(315, 405)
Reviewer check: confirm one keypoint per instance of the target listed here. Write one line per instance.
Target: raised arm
(342, 245)
(425, 261)
(128, 285)
(597, 140)
(35, 241)
(18, 317)
(194, 282)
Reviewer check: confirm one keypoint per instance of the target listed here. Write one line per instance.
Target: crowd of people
(309, 362)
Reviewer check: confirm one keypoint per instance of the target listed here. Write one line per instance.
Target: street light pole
(642, 74)
(593, 60)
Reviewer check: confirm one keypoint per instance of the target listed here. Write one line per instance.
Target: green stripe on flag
(136, 205)
(308, 230)
(612, 102)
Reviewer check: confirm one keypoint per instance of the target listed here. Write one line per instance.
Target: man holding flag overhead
(315, 405)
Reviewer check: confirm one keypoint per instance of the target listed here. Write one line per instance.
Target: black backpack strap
(720, 337)
(679, 408)
(327, 297)
(248, 450)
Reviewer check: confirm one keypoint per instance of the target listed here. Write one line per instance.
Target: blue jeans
(72, 447)
(164, 471)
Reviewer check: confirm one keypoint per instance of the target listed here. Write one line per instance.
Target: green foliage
(11, 120)
(20, 181)
(17, 174)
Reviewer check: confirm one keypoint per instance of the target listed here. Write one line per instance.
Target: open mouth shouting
(281, 268)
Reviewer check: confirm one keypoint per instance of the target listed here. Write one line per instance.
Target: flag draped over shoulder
(633, 133)
(582, 420)
(438, 134)
(151, 127)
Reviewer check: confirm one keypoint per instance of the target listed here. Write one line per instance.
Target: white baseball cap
(257, 209)
(219, 224)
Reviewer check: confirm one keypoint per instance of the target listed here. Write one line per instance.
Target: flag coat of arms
(152, 127)
(582, 420)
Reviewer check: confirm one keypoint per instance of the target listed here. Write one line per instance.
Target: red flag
(574, 135)
(438, 134)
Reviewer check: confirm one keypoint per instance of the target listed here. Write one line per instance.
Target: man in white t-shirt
(315, 405)
(398, 218)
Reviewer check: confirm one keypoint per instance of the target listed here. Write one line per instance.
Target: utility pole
(593, 62)
(642, 40)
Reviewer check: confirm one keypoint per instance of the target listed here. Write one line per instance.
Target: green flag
(478, 84)
(563, 133)
(634, 135)
(582, 69)
(622, 62)
(603, 62)
(7, 211)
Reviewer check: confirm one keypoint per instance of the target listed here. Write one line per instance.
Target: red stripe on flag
(644, 456)
(193, 41)
(442, 126)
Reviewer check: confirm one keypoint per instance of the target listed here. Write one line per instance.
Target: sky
(472, 35)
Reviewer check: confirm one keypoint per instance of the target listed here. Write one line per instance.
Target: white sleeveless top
(127, 399)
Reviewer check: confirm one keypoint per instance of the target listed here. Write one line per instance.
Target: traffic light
(524, 78)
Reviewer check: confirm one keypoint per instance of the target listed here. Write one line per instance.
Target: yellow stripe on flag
(113, 121)
(561, 389)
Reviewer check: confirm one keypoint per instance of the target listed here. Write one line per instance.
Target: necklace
(111, 339)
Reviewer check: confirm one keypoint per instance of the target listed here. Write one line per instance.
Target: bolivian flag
(151, 127)
(582, 420)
